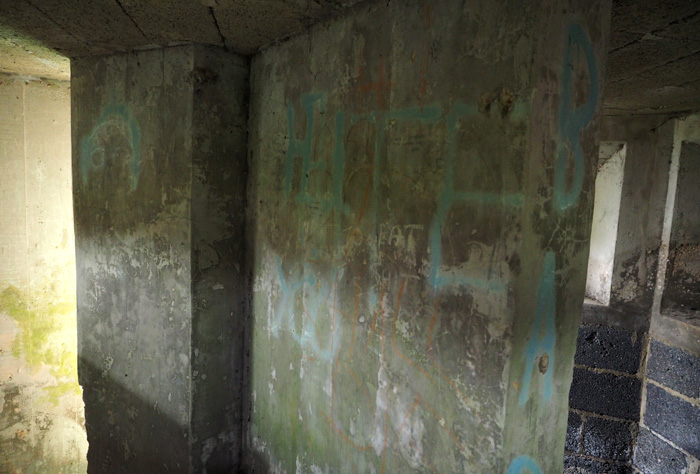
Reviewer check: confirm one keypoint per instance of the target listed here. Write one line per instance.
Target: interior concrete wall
(649, 141)
(158, 163)
(219, 279)
(682, 283)
(41, 409)
(408, 256)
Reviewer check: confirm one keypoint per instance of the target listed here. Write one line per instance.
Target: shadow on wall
(164, 447)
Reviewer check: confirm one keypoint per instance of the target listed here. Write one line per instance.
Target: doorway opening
(606, 214)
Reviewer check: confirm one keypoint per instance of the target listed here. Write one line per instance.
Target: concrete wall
(415, 223)
(649, 141)
(159, 165)
(682, 283)
(41, 410)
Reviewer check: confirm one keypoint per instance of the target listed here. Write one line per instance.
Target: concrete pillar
(420, 192)
(159, 141)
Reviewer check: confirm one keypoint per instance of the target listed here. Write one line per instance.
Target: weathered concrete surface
(158, 167)
(20, 54)
(654, 55)
(244, 26)
(652, 455)
(606, 215)
(219, 282)
(41, 410)
(654, 47)
(420, 193)
(649, 141)
(682, 288)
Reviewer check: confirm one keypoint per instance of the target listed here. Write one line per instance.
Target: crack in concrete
(678, 21)
(658, 66)
(687, 83)
(656, 31)
(216, 24)
(132, 20)
(646, 111)
(614, 50)
(66, 31)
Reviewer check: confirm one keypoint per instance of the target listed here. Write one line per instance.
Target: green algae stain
(47, 338)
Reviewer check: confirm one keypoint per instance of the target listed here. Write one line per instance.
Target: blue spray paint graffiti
(314, 296)
(543, 334)
(571, 122)
(303, 149)
(310, 297)
(448, 198)
(521, 463)
(540, 350)
(115, 120)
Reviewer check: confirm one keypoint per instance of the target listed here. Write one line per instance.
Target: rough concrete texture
(674, 368)
(417, 228)
(606, 393)
(573, 433)
(654, 48)
(159, 138)
(584, 465)
(219, 168)
(652, 455)
(668, 441)
(649, 141)
(620, 317)
(682, 290)
(678, 333)
(682, 427)
(654, 55)
(603, 347)
(20, 54)
(244, 26)
(608, 439)
(41, 410)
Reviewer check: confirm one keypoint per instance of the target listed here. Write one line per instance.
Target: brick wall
(604, 400)
(669, 439)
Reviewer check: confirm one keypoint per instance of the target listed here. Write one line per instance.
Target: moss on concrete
(47, 336)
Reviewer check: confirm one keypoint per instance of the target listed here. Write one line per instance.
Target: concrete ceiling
(76, 28)
(653, 66)
(654, 57)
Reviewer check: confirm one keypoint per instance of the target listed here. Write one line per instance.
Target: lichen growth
(47, 337)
